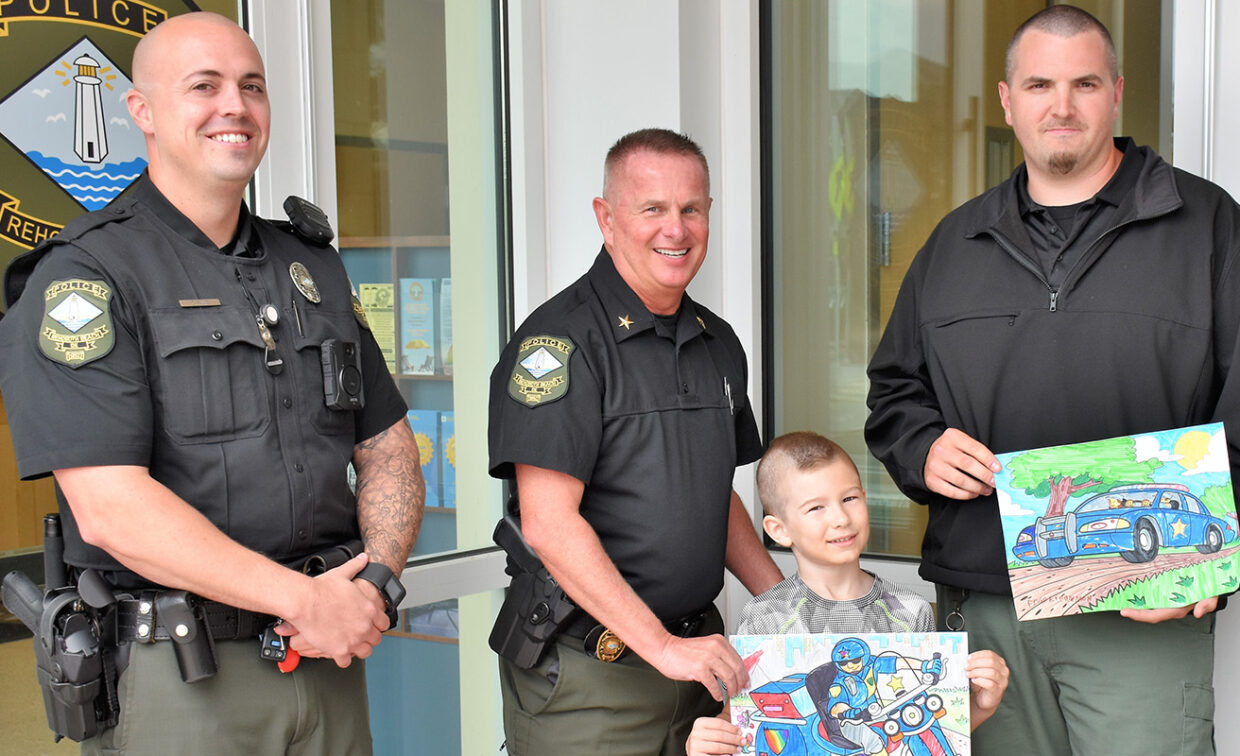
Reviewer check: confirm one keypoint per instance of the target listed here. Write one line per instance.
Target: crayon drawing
(1143, 522)
(903, 694)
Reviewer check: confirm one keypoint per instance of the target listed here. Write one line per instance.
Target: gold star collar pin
(625, 322)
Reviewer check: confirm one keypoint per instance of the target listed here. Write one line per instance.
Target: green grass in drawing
(1211, 577)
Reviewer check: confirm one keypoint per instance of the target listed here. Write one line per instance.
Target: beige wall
(22, 503)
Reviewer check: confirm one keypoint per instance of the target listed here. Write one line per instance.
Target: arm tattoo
(390, 494)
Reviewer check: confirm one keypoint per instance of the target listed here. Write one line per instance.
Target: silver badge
(304, 282)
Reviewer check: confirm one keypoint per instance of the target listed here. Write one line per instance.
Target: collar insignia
(625, 322)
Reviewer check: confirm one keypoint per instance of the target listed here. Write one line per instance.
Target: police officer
(619, 408)
(164, 358)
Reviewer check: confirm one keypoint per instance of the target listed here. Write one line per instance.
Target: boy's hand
(988, 678)
(713, 736)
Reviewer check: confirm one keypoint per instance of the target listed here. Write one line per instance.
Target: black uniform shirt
(178, 383)
(1061, 235)
(653, 419)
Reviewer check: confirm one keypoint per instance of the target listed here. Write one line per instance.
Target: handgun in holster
(74, 631)
(535, 607)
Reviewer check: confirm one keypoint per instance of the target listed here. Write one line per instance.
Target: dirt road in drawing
(1045, 592)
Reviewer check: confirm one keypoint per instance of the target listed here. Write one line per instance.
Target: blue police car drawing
(1134, 521)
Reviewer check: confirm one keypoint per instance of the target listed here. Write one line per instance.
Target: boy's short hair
(805, 450)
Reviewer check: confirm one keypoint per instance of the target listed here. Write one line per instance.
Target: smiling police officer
(165, 358)
(619, 408)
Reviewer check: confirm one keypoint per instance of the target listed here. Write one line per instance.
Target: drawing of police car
(1133, 521)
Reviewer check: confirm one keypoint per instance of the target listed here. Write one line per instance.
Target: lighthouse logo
(70, 120)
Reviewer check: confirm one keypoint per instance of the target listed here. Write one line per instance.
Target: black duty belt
(137, 620)
(604, 645)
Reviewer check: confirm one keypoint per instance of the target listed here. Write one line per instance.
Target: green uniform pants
(248, 707)
(625, 708)
(1092, 684)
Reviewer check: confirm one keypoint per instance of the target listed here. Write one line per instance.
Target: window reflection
(883, 117)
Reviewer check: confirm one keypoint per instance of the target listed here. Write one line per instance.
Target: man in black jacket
(1093, 294)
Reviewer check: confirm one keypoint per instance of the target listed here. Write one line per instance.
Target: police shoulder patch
(540, 375)
(77, 322)
(360, 313)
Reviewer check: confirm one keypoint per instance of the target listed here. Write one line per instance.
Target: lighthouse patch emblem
(70, 121)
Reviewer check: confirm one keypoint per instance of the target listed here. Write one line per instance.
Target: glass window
(416, 130)
(882, 116)
(421, 199)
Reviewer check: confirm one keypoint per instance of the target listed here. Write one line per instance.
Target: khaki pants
(248, 707)
(1093, 684)
(625, 708)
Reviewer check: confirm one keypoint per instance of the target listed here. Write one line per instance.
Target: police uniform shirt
(653, 419)
(170, 373)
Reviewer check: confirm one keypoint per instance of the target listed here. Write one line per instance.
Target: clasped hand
(341, 618)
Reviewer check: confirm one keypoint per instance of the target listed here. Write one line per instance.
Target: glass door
(883, 115)
(420, 191)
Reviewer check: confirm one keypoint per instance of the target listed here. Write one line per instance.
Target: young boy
(815, 505)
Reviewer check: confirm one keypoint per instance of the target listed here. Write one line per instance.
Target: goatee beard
(1062, 162)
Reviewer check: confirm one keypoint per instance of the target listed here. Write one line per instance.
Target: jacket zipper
(1025, 263)
(1071, 275)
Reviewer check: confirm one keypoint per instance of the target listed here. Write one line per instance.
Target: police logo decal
(77, 326)
(541, 373)
(304, 282)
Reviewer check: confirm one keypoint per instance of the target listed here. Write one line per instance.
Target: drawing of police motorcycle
(792, 724)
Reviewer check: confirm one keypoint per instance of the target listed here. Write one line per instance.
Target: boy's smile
(824, 519)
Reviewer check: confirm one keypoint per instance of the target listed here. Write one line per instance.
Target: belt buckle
(604, 645)
(689, 626)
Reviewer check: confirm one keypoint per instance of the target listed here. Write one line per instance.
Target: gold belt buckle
(607, 646)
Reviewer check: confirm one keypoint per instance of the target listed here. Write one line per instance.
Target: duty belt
(604, 645)
(137, 620)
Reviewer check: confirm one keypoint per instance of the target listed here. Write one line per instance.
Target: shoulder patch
(360, 313)
(540, 375)
(77, 322)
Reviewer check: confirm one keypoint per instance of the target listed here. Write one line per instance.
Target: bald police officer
(164, 360)
(619, 409)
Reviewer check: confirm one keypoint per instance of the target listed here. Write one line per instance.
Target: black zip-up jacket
(1139, 337)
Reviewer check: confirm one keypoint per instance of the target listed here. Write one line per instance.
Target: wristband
(390, 588)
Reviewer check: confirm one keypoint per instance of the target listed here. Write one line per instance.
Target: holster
(535, 608)
(74, 646)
